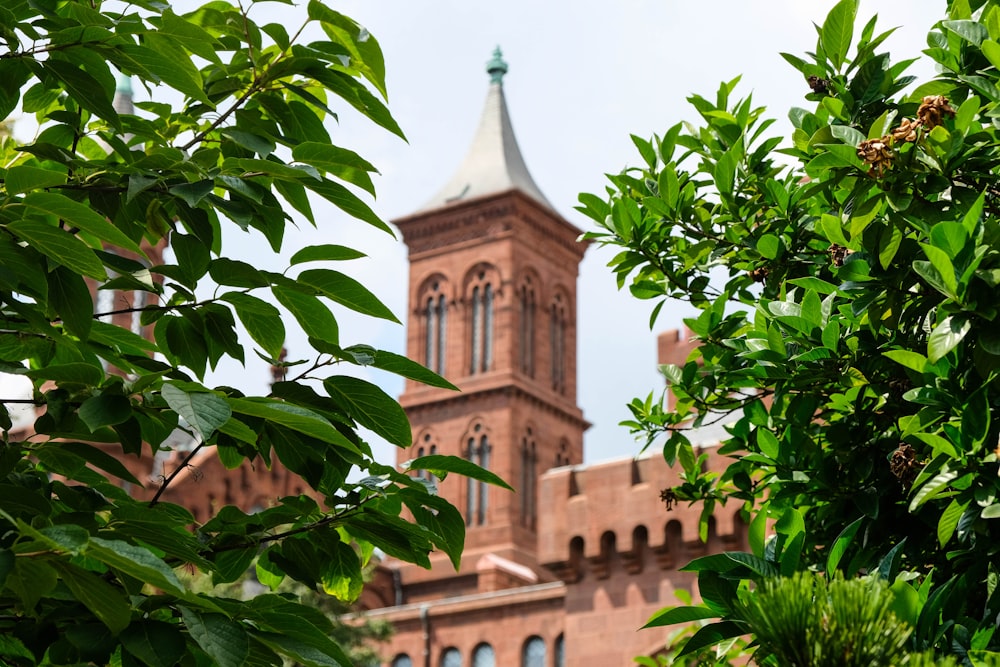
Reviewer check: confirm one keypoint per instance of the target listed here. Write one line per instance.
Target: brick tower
(493, 270)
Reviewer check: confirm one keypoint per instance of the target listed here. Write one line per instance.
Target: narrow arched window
(481, 324)
(557, 343)
(483, 656)
(402, 660)
(435, 314)
(529, 480)
(450, 657)
(477, 496)
(560, 660)
(526, 308)
(533, 654)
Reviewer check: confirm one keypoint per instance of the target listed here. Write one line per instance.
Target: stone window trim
(477, 448)
(482, 292)
(432, 313)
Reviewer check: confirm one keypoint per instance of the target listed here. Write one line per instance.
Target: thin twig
(184, 464)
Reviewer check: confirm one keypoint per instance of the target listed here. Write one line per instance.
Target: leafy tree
(87, 572)
(846, 284)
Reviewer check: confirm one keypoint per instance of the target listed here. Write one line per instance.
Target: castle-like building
(565, 571)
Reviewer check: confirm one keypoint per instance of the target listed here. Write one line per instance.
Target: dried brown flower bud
(877, 153)
(904, 464)
(932, 110)
(669, 498)
(760, 273)
(907, 131)
(818, 85)
(838, 254)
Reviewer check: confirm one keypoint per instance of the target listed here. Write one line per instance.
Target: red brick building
(564, 571)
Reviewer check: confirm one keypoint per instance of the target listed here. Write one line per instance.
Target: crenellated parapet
(607, 516)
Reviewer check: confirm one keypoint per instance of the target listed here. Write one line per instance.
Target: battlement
(610, 515)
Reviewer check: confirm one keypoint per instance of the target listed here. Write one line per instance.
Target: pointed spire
(494, 162)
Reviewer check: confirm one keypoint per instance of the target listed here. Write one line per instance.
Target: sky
(582, 77)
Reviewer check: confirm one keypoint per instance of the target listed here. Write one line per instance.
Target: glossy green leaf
(440, 465)
(949, 521)
(224, 640)
(672, 615)
(61, 246)
(371, 407)
(841, 545)
(156, 643)
(325, 253)
(262, 320)
(80, 216)
(203, 411)
(293, 417)
(311, 313)
(70, 298)
(101, 598)
(946, 336)
(346, 291)
(24, 179)
(135, 561)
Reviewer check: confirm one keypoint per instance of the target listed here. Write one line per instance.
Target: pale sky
(583, 76)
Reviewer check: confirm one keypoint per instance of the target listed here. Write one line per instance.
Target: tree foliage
(236, 134)
(846, 288)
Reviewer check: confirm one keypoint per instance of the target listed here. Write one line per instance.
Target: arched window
(533, 654)
(560, 652)
(435, 314)
(402, 660)
(557, 343)
(478, 452)
(481, 325)
(451, 658)
(526, 308)
(483, 656)
(427, 447)
(562, 456)
(529, 471)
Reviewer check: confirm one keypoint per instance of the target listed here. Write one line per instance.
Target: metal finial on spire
(496, 67)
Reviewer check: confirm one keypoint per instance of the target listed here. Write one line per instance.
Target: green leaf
(60, 246)
(841, 544)
(346, 291)
(105, 410)
(946, 336)
(768, 246)
(24, 179)
(371, 407)
(232, 272)
(262, 320)
(135, 561)
(838, 30)
(440, 465)
(710, 635)
(671, 615)
(933, 487)
(225, 641)
(293, 417)
(80, 216)
(101, 598)
(949, 521)
(912, 360)
(768, 444)
(312, 315)
(31, 580)
(158, 55)
(156, 643)
(70, 298)
(325, 253)
(757, 532)
(84, 89)
(74, 373)
(205, 412)
(98, 458)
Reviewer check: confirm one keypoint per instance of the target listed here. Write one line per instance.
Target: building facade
(564, 571)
